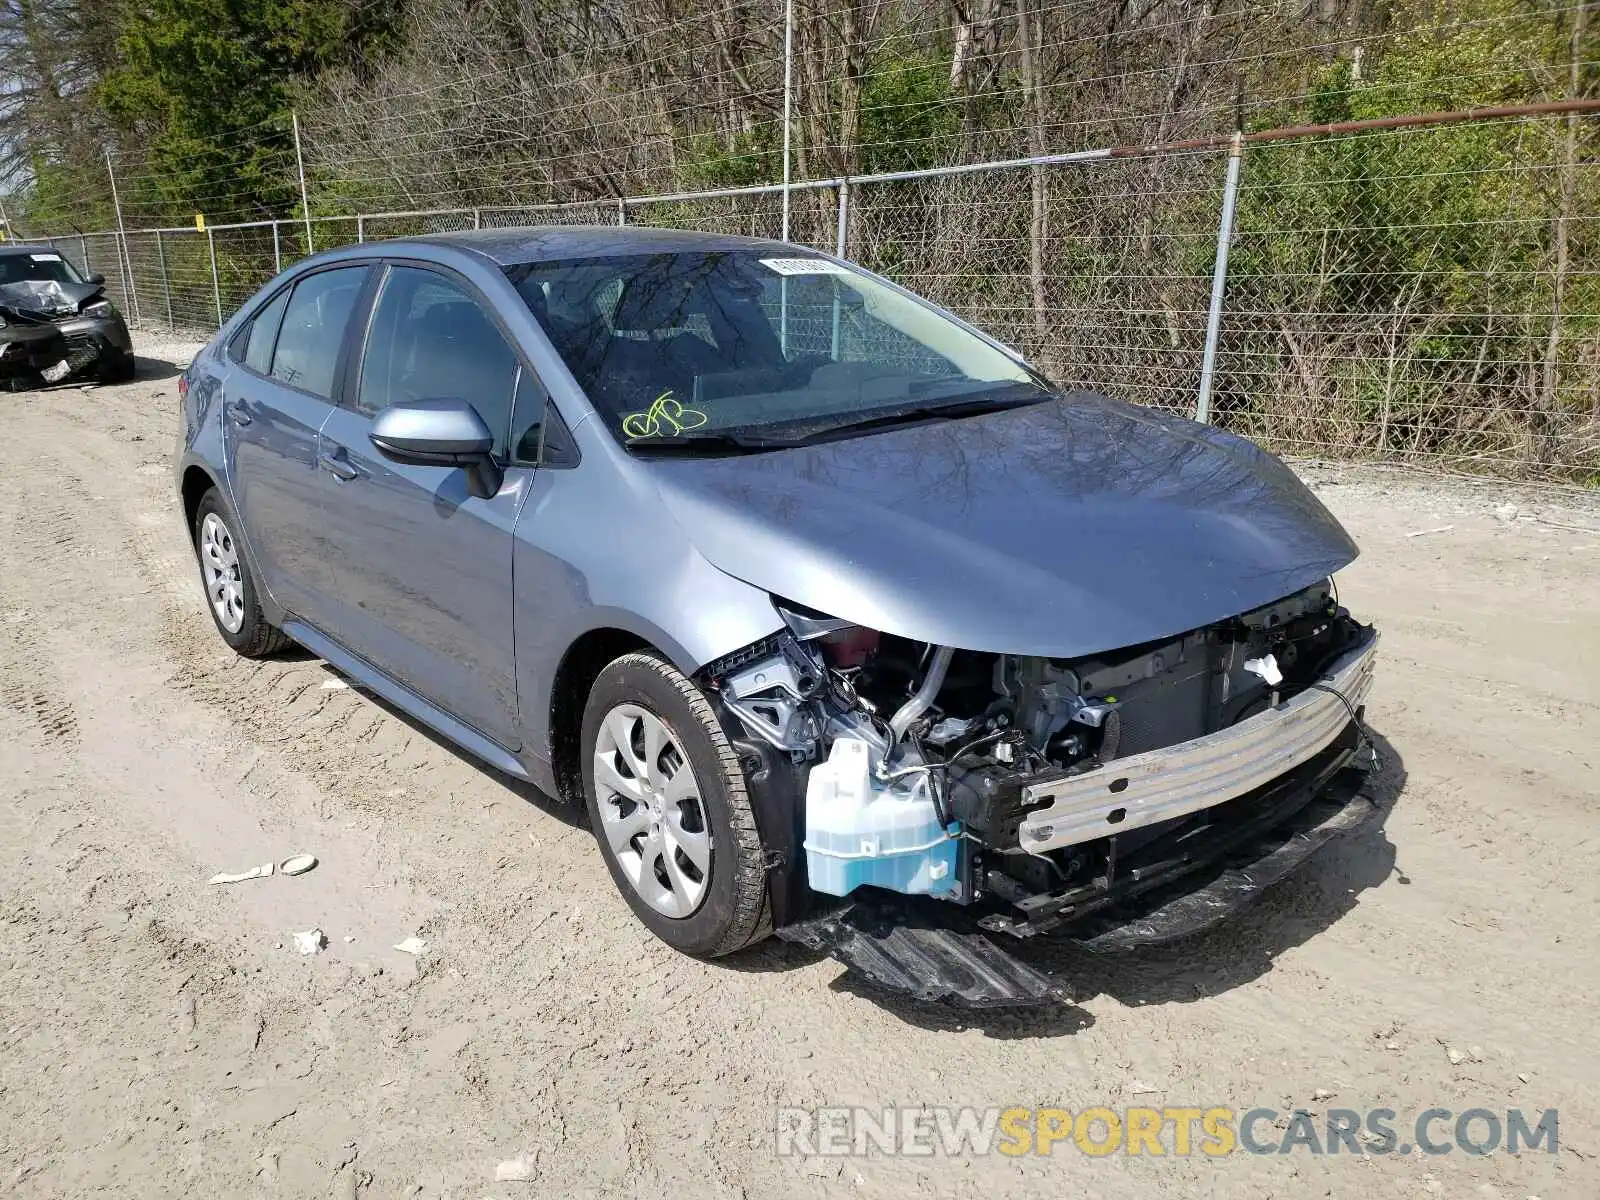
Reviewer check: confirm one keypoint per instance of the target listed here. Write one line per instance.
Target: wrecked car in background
(842, 621)
(56, 325)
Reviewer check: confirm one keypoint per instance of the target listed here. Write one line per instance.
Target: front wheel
(668, 804)
(120, 369)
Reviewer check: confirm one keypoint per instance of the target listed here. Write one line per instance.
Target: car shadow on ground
(145, 370)
(568, 814)
(154, 370)
(1238, 950)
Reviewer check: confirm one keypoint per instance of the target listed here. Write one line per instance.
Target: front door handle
(240, 413)
(337, 463)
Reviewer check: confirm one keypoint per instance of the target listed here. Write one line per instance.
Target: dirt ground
(161, 1037)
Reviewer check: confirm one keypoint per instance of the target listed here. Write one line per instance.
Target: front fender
(595, 549)
(694, 617)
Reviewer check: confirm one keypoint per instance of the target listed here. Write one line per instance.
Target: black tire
(254, 638)
(119, 370)
(734, 912)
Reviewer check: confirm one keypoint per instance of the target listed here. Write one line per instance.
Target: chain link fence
(1097, 270)
(1428, 294)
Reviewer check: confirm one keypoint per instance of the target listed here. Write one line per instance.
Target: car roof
(550, 243)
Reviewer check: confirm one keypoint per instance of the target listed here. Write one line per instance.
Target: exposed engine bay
(1019, 784)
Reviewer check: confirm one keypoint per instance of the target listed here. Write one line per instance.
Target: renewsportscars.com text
(846, 1131)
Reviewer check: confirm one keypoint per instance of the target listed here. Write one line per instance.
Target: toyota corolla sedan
(841, 620)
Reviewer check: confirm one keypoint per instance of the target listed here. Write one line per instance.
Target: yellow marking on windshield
(665, 416)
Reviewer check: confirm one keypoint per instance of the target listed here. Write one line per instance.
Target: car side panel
(200, 433)
(594, 550)
(422, 576)
(270, 434)
(593, 547)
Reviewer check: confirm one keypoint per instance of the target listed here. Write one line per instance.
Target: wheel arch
(776, 785)
(197, 476)
(196, 482)
(580, 666)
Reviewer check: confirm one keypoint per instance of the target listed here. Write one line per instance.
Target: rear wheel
(230, 586)
(668, 804)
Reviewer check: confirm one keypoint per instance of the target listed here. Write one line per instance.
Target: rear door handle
(337, 463)
(239, 412)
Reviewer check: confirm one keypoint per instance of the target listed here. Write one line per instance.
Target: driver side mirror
(97, 279)
(440, 433)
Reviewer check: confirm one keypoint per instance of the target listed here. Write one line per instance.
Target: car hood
(1061, 529)
(46, 299)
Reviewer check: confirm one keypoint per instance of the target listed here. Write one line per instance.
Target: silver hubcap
(219, 562)
(651, 813)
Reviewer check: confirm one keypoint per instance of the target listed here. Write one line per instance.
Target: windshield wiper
(708, 443)
(924, 412)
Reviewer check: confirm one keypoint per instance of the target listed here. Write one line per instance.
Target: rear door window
(307, 351)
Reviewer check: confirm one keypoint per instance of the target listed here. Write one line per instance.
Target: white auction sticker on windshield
(45, 257)
(804, 266)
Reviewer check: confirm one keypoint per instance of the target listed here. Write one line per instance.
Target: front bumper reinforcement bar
(1175, 781)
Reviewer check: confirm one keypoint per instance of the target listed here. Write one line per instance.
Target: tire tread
(752, 917)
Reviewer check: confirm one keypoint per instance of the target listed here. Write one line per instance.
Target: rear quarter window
(307, 350)
(252, 345)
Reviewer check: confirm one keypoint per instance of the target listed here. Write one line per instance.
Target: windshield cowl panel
(757, 348)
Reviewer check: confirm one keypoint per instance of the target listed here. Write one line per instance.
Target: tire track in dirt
(278, 706)
(27, 678)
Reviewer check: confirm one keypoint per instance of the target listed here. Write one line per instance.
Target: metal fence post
(216, 284)
(166, 283)
(361, 229)
(622, 211)
(83, 253)
(305, 200)
(841, 237)
(130, 292)
(477, 218)
(1219, 279)
(788, 107)
(277, 251)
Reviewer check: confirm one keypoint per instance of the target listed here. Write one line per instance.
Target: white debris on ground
(260, 872)
(310, 941)
(514, 1170)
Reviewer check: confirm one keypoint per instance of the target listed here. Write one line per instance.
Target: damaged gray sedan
(55, 324)
(843, 622)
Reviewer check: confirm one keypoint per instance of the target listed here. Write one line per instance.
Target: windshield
(40, 265)
(680, 345)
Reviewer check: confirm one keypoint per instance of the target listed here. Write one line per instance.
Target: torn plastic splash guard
(903, 948)
(920, 949)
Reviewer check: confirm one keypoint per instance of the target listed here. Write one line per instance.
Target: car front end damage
(57, 333)
(924, 806)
